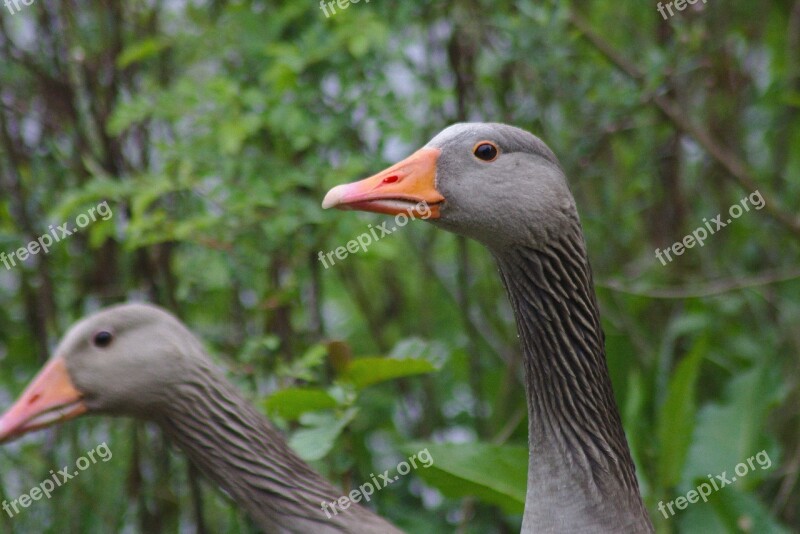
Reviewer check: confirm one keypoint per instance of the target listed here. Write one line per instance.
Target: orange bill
(50, 398)
(402, 188)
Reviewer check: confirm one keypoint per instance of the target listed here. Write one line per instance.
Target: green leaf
(291, 403)
(140, 51)
(495, 474)
(358, 45)
(368, 371)
(744, 512)
(234, 132)
(792, 99)
(677, 415)
(316, 441)
(302, 368)
(731, 511)
(731, 432)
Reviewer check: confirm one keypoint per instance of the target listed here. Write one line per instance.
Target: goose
(140, 361)
(503, 187)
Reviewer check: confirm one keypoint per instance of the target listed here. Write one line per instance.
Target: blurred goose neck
(236, 447)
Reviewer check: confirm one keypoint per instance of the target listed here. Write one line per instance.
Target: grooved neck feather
(236, 447)
(515, 200)
(580, 473)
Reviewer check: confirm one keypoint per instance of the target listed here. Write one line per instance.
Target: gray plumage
(156, 370)
(505, 188)
(581, 476)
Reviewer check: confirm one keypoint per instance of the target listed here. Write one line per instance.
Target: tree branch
(729, 160)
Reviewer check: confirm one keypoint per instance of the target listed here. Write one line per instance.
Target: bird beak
(406, 187)
(50, 398)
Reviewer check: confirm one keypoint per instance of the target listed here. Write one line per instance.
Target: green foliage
(213, 129)
(677, 417)
(291, 403)
(368, 371)
(316, 440)
(488, 472)
(320, 427)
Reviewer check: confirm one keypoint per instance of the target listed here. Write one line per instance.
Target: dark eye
(103, 339)
(485, 151)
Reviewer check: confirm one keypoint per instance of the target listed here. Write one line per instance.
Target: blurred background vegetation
(213, 129)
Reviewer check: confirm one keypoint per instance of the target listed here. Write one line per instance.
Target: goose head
(123, 360)
(504, 187)
(492, 182)
(138, 360)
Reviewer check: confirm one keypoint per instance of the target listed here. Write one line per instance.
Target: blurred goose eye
(486, 151)
(103, 339)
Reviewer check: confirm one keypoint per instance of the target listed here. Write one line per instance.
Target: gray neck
(236, 447)
(580, 473)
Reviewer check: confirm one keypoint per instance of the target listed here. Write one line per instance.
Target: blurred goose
(137, 360)
(504, 187)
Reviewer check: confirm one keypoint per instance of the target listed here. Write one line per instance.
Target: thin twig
(714, 288)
